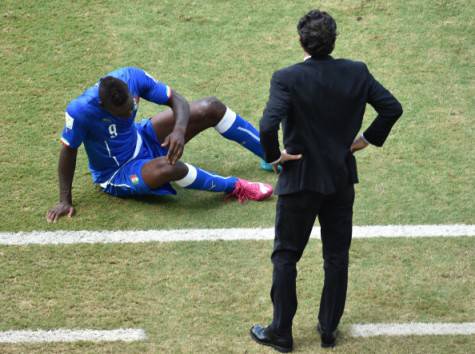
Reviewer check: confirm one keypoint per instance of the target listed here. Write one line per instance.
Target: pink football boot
(246, 190)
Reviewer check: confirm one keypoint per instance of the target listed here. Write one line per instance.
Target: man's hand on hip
(359, 144)
(284, 157)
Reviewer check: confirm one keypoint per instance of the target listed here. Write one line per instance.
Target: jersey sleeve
(150, 88)
(73, 132)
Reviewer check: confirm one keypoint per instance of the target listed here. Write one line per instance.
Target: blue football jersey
(109, 141)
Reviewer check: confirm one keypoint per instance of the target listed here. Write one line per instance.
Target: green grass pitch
(193, 297)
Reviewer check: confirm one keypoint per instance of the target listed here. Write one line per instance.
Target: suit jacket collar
(322, 58)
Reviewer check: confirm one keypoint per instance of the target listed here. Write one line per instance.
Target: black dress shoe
(328, 339)
(266, 337)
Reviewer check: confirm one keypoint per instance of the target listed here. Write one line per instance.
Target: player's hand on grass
(358, 144)
(284, 157)
(61, 209)
(175, 142)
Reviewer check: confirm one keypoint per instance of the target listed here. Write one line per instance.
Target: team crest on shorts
(134, 179)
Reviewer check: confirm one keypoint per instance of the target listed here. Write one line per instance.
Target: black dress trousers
(295, 217)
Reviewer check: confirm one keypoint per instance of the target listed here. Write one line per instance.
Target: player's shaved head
(113, 90)
(317, 31)
(115, 97)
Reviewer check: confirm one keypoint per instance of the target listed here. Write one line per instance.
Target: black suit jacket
(320, 103)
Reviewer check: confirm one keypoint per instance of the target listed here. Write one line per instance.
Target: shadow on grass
(308, 340)
(186, 200)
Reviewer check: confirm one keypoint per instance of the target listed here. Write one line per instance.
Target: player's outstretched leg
(211, 112)
(158, 171)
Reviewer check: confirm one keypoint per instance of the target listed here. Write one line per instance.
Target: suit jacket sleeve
(387, 107)
(277, 109)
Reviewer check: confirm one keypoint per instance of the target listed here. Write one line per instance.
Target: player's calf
(158, 171)
(197, 178)
(235, 128)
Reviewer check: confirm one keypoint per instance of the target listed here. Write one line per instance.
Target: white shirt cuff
(276, 161)
(366, 141)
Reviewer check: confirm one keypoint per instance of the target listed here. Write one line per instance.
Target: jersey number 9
(113, 130)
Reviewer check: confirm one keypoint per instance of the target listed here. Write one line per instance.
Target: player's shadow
(184, 199)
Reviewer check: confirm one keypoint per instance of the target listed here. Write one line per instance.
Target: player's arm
(176, 140)
(73, 134)
(66, 168)
(155, 91)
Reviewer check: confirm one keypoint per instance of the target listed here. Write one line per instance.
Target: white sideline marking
(412, 329)
(73, 237)
(68, 335)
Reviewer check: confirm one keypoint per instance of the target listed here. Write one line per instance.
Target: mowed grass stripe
(233, 234)
(202, 297)
(69, 335)
(412, 329)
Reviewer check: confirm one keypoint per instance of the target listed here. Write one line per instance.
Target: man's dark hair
(113, 91)
(317, 30)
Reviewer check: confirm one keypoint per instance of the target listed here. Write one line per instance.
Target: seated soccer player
(130, 159)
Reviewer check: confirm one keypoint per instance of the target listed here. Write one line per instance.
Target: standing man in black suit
(320, 102)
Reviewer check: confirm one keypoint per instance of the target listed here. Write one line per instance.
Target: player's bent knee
(216, 107)
(211, 109)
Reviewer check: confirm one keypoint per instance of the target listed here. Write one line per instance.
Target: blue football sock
(197, 178)
(236, 128)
